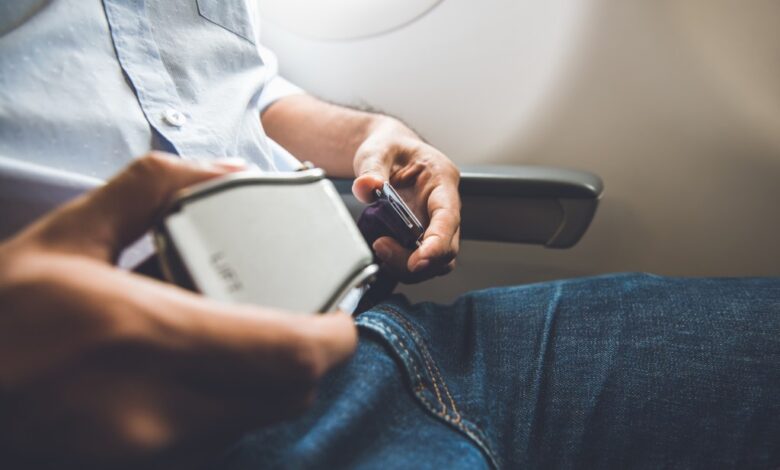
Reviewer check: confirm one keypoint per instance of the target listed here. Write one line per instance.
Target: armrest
(519, 204)
(516, 204)
(528, 204)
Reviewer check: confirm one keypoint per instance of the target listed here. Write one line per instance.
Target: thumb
(105, 220)
(372, 172)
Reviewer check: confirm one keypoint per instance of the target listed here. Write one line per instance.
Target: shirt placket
(141, 61)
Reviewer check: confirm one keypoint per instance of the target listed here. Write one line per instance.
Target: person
(101, 367)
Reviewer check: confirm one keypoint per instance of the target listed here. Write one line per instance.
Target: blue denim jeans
(619, 371)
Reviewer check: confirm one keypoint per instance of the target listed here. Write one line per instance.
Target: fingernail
(421, 265)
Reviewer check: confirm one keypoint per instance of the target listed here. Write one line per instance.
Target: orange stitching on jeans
(420, 388)
(428, 359)
(476, 433)
(420, 383)
(397, 316)
(460, 425)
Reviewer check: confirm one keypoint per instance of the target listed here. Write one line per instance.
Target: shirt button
(174, 117)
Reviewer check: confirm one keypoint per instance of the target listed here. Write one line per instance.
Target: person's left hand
(428, 182)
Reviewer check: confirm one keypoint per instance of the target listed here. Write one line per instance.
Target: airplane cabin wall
(675, 104)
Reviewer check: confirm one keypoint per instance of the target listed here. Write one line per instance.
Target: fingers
(241, 344)
(102, 222)
(396, 260)
(432, 182)
(441, 240)
(261, 367)
(392, 254)
(105, 342)
(372, 171)
(333, 337)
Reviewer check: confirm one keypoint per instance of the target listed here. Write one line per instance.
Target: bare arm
(322, 133)
(376, 148)
(109, 368)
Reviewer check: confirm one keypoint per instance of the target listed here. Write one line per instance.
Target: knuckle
(126, 331)
(425, 161)
(444, 165)
(453, 170)
(18, 269)
(32, 283)
(152, 172)
(151, 163)
(138, 432)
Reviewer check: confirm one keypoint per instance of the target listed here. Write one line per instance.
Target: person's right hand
(101, 367)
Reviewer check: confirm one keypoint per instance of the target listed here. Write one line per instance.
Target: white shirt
(86, 86)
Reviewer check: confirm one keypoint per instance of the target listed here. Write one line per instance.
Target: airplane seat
(516, 204)
(671, 102)
(519, 204)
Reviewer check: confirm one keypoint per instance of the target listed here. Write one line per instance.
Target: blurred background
(674, 103)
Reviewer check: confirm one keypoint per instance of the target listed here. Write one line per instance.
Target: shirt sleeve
(275, 86)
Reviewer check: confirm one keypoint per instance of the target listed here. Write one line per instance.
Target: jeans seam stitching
(476, 433)
(428, 359)
(420, 385)
(430, 373)
(428, 363)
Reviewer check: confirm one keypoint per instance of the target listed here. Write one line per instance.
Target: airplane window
(344, 19)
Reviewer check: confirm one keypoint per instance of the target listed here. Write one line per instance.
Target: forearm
(377, 149)
(325, 134)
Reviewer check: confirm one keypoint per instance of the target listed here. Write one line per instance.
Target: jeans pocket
(426, 382)
(232, 15)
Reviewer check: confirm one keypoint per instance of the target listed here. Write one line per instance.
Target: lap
(611, 371)
(620, 370)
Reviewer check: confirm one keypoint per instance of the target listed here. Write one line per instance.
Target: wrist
(382, 125)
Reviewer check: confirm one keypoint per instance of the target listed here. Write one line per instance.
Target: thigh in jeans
(619, 371)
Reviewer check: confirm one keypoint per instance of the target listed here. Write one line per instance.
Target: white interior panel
(676, 104)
